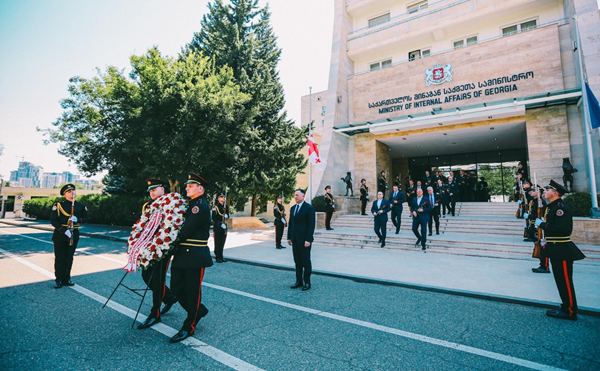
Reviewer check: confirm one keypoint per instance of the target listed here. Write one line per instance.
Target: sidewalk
(493, 279)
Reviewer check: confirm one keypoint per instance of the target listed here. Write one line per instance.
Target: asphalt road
(257, 322)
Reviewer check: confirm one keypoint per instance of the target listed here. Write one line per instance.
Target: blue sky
(44, 43)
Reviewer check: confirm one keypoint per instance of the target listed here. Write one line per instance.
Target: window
(416, 54)
(468, 41)
(378, 65)
(380, 19)
(323, 111)
(412, 8)
(523, 26)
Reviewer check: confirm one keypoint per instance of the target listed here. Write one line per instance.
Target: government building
(473, 85)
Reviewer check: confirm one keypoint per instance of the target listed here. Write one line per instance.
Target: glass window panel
(528, 25)
(387, 63)
(459, 44)
(414, 55)
(426, 53)
(416, 7)
(377, 20)
(374, 66)
(472, 40)
(509, 30)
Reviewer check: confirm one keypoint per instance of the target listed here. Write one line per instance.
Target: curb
(471, 294)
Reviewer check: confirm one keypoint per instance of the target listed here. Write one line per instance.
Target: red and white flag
(313, 153)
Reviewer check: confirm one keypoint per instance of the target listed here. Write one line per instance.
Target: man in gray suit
(301, 228)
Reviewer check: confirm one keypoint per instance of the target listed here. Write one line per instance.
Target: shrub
(319, 203)
(580, 203)
(120, 210)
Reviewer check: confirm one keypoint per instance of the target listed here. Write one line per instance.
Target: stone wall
(586, 231)
(548, 142)
(364, 162)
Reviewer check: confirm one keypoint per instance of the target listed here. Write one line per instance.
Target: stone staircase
(478, 229)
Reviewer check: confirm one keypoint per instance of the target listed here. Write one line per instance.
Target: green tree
(239, 35)
(169, 117)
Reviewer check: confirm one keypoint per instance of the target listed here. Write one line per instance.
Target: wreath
(153, 235)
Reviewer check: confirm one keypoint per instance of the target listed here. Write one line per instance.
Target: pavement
(505, 280)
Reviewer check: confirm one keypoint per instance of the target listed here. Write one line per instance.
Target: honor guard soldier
(65, 219)
(398, 181)
(220, 214)
(155, 276)
(532, 230)
(192, 256)
(453, 191)
(280, 222)
(427, 180)
(329, 208)
(382, 183)
(560, 249)
(364, 196)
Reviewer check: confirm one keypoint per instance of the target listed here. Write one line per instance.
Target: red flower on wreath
(152, 248)
(167, 239)
(159, 241)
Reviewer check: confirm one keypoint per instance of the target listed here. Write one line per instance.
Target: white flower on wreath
(173, 207)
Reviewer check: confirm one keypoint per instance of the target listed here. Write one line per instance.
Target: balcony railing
(560, 22)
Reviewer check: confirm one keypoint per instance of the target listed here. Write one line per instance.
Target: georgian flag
(313, 153)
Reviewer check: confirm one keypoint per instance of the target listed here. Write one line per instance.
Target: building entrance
(490, 174)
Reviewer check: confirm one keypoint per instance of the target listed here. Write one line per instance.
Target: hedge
(318, 203)
(580, 203)
(118, 210)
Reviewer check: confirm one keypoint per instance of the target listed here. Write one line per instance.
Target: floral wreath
(153, 235)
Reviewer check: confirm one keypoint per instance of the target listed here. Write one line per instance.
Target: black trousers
(220, 235)
(563, 276)
(155, 277)
(453, 204)
(187, 287)
(302, 261)
(328, 215)
(279, 227)
(415, 228)
(396, 219)
(63, 255)
(445, 206)
(434, 216)
(380, 228)
(363, 207)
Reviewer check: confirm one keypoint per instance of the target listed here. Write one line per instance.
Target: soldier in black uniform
(65, 241)
(427, 181)
(329, 208)
(411, 192)
(453, 192)
(444, 197)
(364, 196)
(280, 223)
(532, 232)
(462, 186)
(191, 257)
(560, 249)
(220, 214)
(398, 182)
(382, 183)
(155, 275)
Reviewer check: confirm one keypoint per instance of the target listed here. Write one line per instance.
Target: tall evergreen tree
(239, 35)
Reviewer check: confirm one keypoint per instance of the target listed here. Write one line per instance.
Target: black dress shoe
(330, 229)
(203, 311)
(58, 285)
(306, 287)
(296, 285)
(417, 243)
(223, 260)
(181, 335)
(383, 244)
(68, 283)
(540, 270)
(281, 247)
(561, 315)
(219, 260)
(278, 247)
(149, 322)
(423, 248)
(379, 241)
(429, 234)
(397, 232)
(167, 307)
(437, 232)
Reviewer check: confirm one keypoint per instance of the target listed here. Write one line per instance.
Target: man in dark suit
(452, 189)
(419, 209)
(379, 209)
(301, 227)
(191, 257)
(396, 200)
(434, 215)
(364, 196)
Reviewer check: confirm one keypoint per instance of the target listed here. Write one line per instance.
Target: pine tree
(240, 36)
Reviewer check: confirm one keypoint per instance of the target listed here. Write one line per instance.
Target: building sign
(439, 75)
(436, 97)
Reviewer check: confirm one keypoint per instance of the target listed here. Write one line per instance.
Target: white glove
(538, 221)
(526, 215)
(514, 187)
(226, 216)
(520, 202)
(68, 233)
(73, 219)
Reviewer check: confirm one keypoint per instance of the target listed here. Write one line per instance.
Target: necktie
(431, 198)
(395, 193)
(297, 208)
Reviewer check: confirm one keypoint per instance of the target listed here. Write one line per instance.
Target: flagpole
(587, 124)
(309, 132)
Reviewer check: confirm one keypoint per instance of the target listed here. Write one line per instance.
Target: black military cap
(557, 187)
(221, 195)
(279, 198)
(327, 187)
(66, 188)
(155, 183)
(197, 179)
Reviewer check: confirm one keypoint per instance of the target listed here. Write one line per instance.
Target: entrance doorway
(497, 168)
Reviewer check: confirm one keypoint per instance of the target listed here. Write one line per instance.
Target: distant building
(28, 175)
